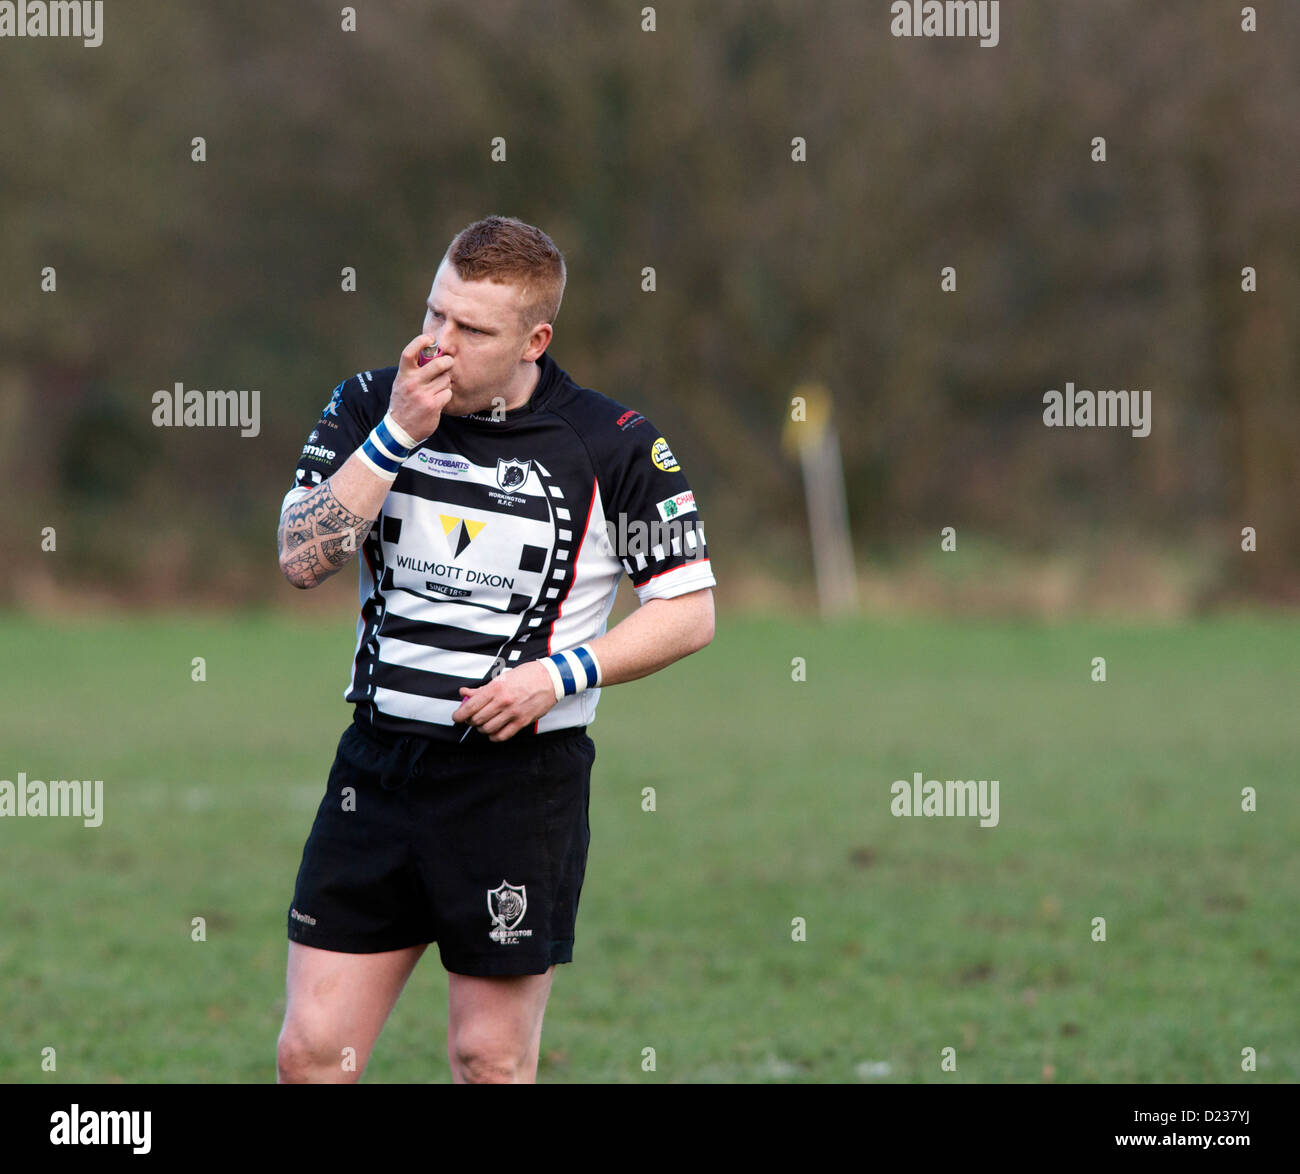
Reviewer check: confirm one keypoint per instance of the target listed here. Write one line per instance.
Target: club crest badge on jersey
(507, 905)
(512, 474)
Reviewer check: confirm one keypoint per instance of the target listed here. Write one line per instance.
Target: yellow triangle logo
(450, 523)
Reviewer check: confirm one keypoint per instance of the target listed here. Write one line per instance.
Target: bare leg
(336, 1002)
(494, 1027)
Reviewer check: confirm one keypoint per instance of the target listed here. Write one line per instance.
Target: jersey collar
(552, 375)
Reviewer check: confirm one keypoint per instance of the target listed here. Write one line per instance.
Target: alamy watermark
(946, 18)
(669, 536)
(78, 799)
(179, 408)
(125, 1127)
(1098, 409)
(952, 797)
(57, 18)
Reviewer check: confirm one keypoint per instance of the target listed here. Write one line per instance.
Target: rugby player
(485, 495)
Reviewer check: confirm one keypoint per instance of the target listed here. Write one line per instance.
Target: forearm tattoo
(323, 535)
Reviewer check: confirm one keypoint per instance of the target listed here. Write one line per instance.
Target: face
(477, 323)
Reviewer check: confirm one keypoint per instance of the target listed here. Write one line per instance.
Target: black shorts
(480, 849)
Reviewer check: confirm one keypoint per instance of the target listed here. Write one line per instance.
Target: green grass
(1119, 800)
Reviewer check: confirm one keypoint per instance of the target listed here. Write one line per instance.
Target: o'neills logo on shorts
(507, 905)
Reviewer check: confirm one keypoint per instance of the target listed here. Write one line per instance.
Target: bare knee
(486, 1061)
(305, 1057)
(480, 1068)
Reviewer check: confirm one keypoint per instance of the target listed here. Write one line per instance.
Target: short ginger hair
(508, 251)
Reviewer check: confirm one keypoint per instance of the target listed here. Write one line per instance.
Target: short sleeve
(344, 423)
(653, 517)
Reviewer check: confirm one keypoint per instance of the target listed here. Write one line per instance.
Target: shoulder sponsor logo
(663, 458)
(670, 507)
(332, 408)
(629, 419)
(317, 453)
(507, 905)
(513, 473)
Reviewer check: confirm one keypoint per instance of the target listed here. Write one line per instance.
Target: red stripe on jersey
(670, 570)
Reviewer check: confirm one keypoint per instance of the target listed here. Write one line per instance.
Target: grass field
(1119, 800)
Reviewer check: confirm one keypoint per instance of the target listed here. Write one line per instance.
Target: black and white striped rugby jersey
(502, 541)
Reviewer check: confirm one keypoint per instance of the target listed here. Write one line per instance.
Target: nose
(443, 332)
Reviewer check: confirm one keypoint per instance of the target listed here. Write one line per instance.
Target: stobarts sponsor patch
(441, 464)
(670, 507)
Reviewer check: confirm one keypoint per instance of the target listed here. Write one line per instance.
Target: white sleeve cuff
(398, 433)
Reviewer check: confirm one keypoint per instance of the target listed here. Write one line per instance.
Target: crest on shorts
(507, 905)
(512, 474)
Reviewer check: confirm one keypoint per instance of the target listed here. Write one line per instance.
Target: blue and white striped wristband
(386, 448)
(573, 671)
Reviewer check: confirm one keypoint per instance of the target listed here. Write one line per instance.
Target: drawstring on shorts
(405, 762)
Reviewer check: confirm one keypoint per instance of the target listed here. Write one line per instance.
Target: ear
(538, 341)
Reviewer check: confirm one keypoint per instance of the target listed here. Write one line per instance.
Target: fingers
(488, 713)
(479, 704)
(426, 367)
(490, 721)
(498, 711)
(411, 354)
(496, 726)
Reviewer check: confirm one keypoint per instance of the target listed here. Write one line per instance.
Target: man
(495, 505)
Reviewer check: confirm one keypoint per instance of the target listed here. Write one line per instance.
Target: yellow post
(811, 435)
